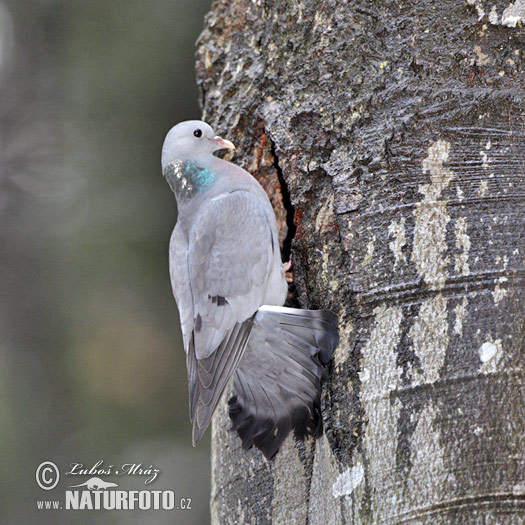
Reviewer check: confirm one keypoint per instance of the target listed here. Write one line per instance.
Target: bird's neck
(189, 178)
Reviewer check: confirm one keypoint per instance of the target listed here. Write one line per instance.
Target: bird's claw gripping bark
(286, 271)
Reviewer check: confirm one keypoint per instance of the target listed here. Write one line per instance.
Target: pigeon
(229, 285)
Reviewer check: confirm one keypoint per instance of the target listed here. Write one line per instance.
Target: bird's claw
(286, 271)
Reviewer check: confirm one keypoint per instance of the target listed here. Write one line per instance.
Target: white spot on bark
(499, 292)
(461, 313)
(487, 351)
(342, 352)
(369, 252)
(348, 481)
(431, 218)
(463, 244)
(325, 214)
(430, 336)
(481, 12)
(482, 190)
(322, 222)
(364, 375)
(397, 230)
(493, 16)
(485, 158)
(481, 58)
(518, 489)
(439, 175)
(513, 14)
(428, 474)
(477, 430)
(490, 354)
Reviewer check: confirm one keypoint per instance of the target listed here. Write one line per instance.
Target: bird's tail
(277, 385)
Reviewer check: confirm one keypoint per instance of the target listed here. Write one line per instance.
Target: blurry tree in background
(91, 365)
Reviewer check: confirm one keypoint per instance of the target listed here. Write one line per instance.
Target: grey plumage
(225, 265)
(277, 384)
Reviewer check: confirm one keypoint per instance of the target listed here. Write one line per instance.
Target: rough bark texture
(393, 133)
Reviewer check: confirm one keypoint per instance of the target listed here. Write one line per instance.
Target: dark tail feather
(277, 385)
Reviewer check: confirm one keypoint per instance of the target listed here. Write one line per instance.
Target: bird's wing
(230, 256)
(180, 282)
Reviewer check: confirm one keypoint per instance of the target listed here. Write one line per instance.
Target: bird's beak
(223, 143)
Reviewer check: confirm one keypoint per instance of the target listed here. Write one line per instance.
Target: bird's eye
(197, 133)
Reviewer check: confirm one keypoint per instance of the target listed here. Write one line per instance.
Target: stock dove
(229, 285)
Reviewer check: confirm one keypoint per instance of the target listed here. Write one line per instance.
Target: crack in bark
(287, 203)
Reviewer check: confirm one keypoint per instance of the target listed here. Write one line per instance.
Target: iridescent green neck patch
(186, 179)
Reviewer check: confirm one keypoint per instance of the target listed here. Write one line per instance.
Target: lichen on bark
(393, 135)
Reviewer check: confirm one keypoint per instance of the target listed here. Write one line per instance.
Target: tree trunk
(391, 139)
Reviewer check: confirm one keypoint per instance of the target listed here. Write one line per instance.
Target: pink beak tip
(223, 143)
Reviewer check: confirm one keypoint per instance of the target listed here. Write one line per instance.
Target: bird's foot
(286, 271)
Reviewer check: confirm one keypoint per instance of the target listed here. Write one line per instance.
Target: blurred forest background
(91, 363)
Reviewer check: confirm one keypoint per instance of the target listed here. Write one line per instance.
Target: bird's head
(191, 140)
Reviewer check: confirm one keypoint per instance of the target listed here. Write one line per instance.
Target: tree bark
(391, 139)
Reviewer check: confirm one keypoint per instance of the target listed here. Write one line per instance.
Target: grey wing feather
(229, 260)
(210, 376)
